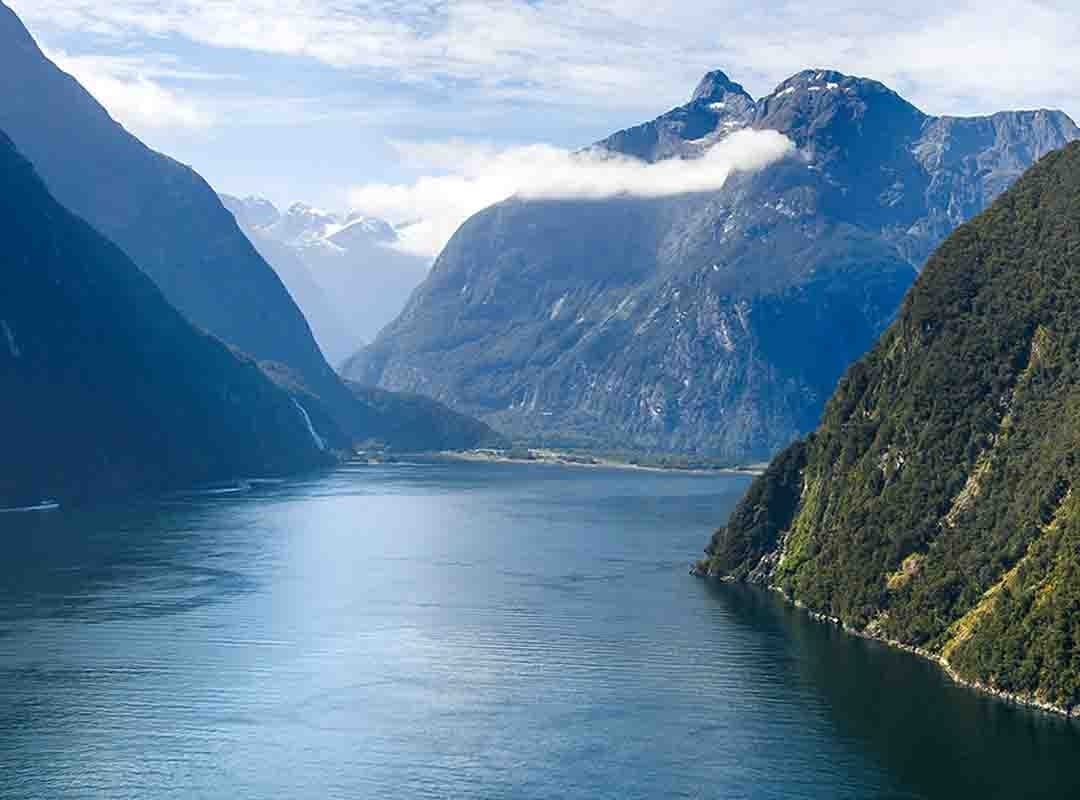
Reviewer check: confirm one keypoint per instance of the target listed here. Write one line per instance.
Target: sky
(411, 107)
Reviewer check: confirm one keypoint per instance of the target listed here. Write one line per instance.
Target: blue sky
(311, 99)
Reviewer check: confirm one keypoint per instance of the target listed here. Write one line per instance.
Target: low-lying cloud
(471, 178)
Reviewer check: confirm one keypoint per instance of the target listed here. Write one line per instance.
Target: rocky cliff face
(105, 388)
(936, 504)
(712, 323)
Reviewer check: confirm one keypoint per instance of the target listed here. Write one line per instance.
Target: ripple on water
(466, 631)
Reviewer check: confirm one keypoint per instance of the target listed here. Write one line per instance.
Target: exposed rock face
(936, 504)
(105, 388)
(712, 323)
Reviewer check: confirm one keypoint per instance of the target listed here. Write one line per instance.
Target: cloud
(956, 57)
(567, 71)
(128, 90)
(436, 205)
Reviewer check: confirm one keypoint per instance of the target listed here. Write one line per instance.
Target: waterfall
(13, 348)
(319, 441)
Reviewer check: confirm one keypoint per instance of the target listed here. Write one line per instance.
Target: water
(460, 631)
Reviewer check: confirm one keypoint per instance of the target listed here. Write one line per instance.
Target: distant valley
(343, 270)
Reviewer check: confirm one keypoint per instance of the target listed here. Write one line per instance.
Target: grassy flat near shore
(577, 458)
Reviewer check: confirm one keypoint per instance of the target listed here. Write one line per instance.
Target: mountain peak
(715, 86)
(360, 227)
(829, 81)
(252, 210)
(305, 210)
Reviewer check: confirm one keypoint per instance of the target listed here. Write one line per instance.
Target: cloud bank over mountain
(469, 178)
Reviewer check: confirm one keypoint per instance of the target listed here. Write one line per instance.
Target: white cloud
(567, 70)
(437, 204)
(956, 57)
(127, 89)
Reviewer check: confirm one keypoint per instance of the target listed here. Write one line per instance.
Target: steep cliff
(105, 388)
(169, 221)
(936, 504)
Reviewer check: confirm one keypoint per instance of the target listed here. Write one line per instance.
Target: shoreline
(1013, 698)
(560, 458)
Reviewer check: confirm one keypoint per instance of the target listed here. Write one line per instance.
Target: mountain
(166, 218)
(161, 213)
(105, 387)
(254, 215)
(935, 504)
(344, 271)
(414, 423)
(713, 323)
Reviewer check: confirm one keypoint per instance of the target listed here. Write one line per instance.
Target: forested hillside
(935, 504)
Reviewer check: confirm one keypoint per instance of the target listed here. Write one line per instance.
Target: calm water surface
(460, 631)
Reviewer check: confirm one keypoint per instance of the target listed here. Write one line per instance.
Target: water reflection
(937, 738)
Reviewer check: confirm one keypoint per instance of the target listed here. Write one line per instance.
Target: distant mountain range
(106, 388)
(343, 270)
(936, 505)
(713, 323)
(167, 221)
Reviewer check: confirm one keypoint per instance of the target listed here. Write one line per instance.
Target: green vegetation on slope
(933, 505)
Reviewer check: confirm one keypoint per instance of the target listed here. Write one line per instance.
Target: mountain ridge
(106, 389)
(173, 226)
(717, 323)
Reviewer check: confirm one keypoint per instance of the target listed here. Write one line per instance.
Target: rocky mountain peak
(360, 229)
(827, 113)
(827, 87)
(718, 106)
(716, 86)
(304, 223)
(251, 211)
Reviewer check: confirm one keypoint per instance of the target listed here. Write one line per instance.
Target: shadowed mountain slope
(105, 388)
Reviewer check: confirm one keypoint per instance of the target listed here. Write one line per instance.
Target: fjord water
(460, 631)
